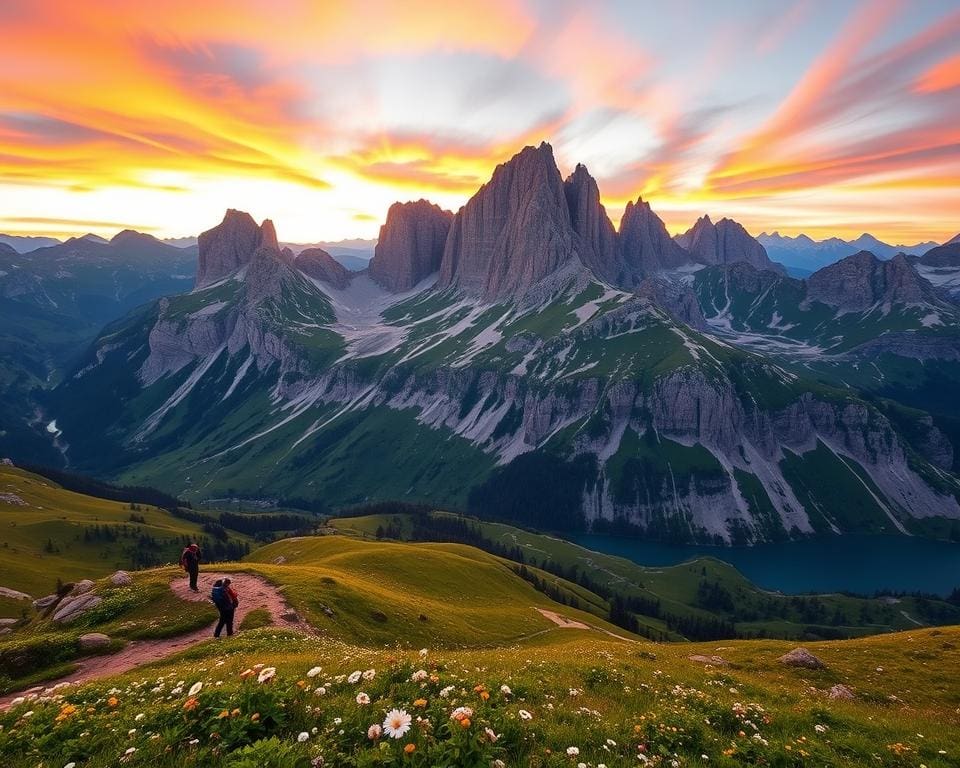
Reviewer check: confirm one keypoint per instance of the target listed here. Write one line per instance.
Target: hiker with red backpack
(225, 598)
(190, 562)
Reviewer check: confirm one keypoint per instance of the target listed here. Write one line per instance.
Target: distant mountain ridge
(805, 253)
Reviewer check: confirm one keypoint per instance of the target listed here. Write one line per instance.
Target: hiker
(190, 562)
(225, 598)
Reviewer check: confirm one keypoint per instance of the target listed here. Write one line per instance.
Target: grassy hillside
(670, 600)
(550, 697)
(49, 533)
(382, 593)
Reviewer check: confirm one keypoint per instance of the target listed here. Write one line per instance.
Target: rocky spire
(410, 246)
(514, 232)
(228, 246)
(725, 242)
(590, 221)
(645, 245)
(861, 281)
(320, 265)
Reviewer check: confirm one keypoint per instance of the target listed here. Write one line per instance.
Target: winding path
(254, 593)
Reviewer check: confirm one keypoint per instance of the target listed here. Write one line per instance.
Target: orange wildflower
(410, 748)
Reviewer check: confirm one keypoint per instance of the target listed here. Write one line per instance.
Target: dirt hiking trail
(253, 591)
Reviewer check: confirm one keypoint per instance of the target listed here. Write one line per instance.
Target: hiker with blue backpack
(225, 598)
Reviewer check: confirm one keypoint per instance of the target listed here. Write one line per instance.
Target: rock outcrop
(121, 579)
(410, 246)
(725, 242)
(646, 247)
(73, 607)
(590, 221)
(230, 245)
(861, 281)
(320, 265)
(678, 300)
(514, 232)
(801, 657)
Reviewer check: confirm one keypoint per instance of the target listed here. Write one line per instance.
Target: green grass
(45, 538)
(258, 617)
(676, 587)
(609, 698)
(383, 593)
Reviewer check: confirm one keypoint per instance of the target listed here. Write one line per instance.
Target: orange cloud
(942, 77)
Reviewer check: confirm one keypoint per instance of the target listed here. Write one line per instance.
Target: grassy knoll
(49, 533)
(700, 589)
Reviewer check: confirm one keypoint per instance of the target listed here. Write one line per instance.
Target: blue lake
(852, 563)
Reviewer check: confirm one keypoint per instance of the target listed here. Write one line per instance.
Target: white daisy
(396, 723)
(362, 698)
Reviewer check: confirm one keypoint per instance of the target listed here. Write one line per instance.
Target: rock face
(801, 657)
(840, 692)
(725, 242)
(590, 221)
(410, 246)
(320, 265)
(946, 255)
(645, 245)
(680, 301)
(230, 245)
(513, 232)
(859, 282)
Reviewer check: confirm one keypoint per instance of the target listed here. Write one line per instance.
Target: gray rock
(716, 661)
(72, 608)
(5, 630)
(13, 594)
(45, 602)
(92, 641)
(320, 265)
(590, 221)
(230, 245)
(279, 560)
(121, 579)
(291, 616)
(801, 657)
(840, 691)
(725, 242)
(645, 245)
(858, 282)
(514, 232)
(410, 246)
(82, 587)
(8, 622)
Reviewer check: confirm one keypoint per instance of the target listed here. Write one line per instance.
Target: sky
(830, 118)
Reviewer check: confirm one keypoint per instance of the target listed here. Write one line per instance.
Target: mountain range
(806, 255)
(524, 359)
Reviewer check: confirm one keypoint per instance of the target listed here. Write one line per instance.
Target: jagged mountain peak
(861, 281)
(645, 245)
(724, 242)
(591, 222)
(514, 232)
(231, 245)
(410, 246)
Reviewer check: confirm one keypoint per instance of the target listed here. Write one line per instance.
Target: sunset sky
(830, 118)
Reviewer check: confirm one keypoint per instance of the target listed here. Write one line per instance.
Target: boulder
(801, 657)
(121, 579)
(8, 622)
(716, 661)
(290, 616)
(72, 608)
(13, 594)
(45, 602)
(840, 692)
(82, 587)
(93, 641)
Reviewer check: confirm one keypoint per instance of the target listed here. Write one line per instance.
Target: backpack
(220, 597)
